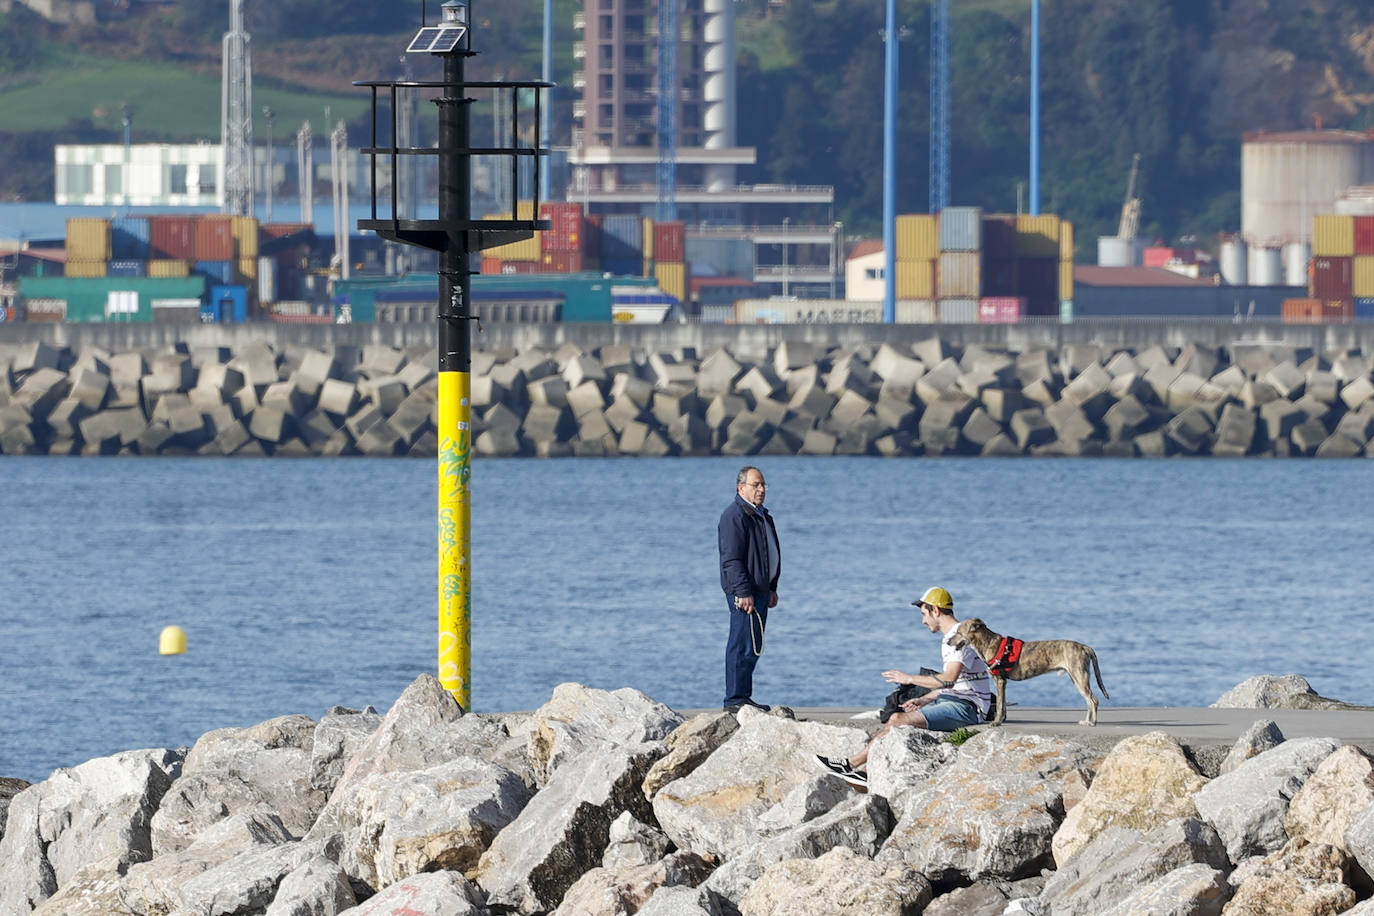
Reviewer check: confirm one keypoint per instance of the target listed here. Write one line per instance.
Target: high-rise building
(614, 152)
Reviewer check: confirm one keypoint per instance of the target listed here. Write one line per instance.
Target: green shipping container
(89, 299)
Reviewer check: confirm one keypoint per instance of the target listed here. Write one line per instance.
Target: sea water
(302, 584)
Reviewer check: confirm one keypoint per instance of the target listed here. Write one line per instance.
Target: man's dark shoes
(759, 706)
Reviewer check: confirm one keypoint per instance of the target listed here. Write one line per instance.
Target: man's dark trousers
(740, 657)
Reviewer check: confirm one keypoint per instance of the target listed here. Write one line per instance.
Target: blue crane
(668, 41)
(939, 105)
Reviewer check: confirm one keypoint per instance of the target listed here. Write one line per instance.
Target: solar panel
(437, 39)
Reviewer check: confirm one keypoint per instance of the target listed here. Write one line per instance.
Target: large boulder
(563, 832)
(903, 761)
(1248, 805)
(841, 882)
(1311, 879)
(316, 887)
(714, 809)
(623, 891)
(1337, 792)
(445, 892)
(1268, 691)
(100, 810)
(688, 746)
(1261, 736)
(578, 718)
(1144, 782)
(238, 769)
(338, 736)
(992, 812)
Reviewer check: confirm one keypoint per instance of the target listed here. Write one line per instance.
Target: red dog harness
(1008, 654)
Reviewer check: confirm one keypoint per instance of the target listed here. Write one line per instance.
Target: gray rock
(1119, 860)
(1190, 430)
(839, 882)
(632, 842)
(562, 833)
(577, 719)
(1030, 428)
(680, 900)
(903, 761)
(1235, 432)
(445, 892)
(88, 813)
(1247, 805)
(622, 891)
(1261, 736)
(1266, 691)
(992, 812)
(337, 737)
(316, 887)
(1286, 379)
(688, 746)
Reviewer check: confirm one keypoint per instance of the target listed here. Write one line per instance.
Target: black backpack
(895, 699)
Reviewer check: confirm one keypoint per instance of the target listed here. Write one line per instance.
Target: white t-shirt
(974, 684)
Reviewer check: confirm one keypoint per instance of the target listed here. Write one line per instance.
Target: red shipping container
(491, 266)
(1301, 311)
(565, 231)
(1156, 256)
(999, 310)
(562, 262)
(171, 238)
(1332, 278)
(999, 238)
(1336, 311)
(1364, 235)
(214, 238)
(520, 267)
(670, 242)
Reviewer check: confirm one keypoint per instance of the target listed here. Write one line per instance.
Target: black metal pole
(455, 278)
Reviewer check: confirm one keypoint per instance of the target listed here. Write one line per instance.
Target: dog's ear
(975, 623)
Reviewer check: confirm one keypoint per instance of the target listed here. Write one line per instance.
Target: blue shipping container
(129, 238)
(622, 267)
(221, 272)
(227, 304)
(1364, 309)
(622, 238)
(961, 229)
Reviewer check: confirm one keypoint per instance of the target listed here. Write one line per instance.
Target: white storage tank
(1115, 252)
(1296, 256)
(1288, 177)
(1266, 266)
(1235, 267)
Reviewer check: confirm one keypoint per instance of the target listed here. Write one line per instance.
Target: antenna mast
(669, 40)
(236, 114)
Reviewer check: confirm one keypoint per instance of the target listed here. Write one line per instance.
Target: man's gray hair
(743, 475)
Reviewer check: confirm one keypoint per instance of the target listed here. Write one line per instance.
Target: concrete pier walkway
(1188, 725)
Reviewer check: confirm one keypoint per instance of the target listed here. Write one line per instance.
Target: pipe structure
(1035, 110)
(890, 168)
(455, 388)
(546, 73)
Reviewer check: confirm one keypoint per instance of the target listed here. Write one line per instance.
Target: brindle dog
(1036, 658)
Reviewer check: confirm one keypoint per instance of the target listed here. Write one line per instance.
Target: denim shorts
(948, 713)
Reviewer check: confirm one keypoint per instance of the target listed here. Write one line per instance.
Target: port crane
(1130, 209)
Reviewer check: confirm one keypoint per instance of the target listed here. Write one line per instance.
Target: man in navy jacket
(750, 562)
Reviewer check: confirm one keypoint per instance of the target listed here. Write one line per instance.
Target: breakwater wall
(603, 803)
(569, 390)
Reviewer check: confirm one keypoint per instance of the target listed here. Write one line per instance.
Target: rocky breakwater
(929, 398)
(610, 803)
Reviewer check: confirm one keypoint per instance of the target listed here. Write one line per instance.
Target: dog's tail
(1098, 672)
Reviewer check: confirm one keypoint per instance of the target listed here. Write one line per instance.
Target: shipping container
(562, 262)
(89, 299)
(520, 267)
(83, 268)
(1065, 280)
(1301, 311)
(177, 311)
(246, 271)
(1333, 236)
(622, 238)
(915, 311)
(959, 275)
(245, 231)
(565, 227)
(269, 231)
(214, 238)
(622, 267)
(717, 314)
(1000, 310)
(1337, 311)
(1037, 281)
(523, 250)
(961, 229)
(958, 311)
(1364, 309)
(1364, 234)
(127, 269)
(999, 238)
(1037, 236)
(129, 239)
(672, 279)
(164, 268)
(1332, 278)
(670, 242)
(999, 275)
(490, 265)
(918, 237)
(172, 237)
(229, 304)
(44, 310)
(1362, 276)
(807, 311)
(267, 280)
(646, 242)
(915, 279)
(88, 239)
(1066, 311)
(219, 272)
(1156, 256)
(1066, 242)
(591, 237)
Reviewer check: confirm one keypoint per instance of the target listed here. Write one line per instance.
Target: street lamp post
(270, 117)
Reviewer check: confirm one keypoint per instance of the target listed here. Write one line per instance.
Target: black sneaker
(736, 707)
(856, 778)
(835, 765)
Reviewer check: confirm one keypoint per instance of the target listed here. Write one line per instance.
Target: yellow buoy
(172, 641)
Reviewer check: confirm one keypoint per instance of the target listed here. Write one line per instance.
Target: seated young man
(959, 695)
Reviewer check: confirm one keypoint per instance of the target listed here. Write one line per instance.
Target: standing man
(750, 562)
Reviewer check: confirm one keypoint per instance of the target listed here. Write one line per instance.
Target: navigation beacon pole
(455, 391)
(455, 235)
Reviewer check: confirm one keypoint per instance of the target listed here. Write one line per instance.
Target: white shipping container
(807, 311)
(960, 275)
(958, 311)
(915, 311)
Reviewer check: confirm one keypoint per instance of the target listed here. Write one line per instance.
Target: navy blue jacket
(743, 535)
